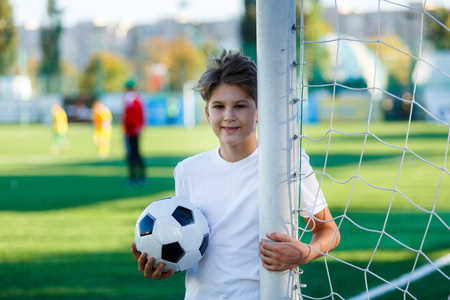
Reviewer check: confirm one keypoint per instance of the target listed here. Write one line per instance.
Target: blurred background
(74, 52)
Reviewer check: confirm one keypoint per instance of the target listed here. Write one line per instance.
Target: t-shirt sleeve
(180, 189)
(312, 199)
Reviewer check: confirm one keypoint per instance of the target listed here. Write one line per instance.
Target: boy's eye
(218, 106)
(240, 106)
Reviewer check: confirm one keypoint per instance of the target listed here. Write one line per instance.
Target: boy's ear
(207, 114)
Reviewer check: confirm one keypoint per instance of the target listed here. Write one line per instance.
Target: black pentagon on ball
(183, 215)
(172, 252)
(204, 244)
(146, 225)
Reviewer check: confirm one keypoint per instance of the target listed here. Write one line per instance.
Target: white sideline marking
(403, 280)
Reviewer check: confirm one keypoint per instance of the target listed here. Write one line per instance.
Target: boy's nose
(229, 115)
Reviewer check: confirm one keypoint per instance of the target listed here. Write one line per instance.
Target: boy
(102, 122)
(60, 127)
(133, 123)
(223, 183)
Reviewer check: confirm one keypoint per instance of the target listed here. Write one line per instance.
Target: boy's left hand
(283, 252)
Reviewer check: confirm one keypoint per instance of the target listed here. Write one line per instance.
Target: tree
(155, 78)
(248, 29)
(437, 34)
(50, 34)
(315, 55)
(398, 65)
(8, 38)
(105, 72)
(184, 62)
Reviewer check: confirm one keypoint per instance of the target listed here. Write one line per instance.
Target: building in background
(79, 42)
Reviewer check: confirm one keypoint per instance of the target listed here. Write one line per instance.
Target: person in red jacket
(133, 122)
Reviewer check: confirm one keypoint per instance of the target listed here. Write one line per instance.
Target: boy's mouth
(230, 129)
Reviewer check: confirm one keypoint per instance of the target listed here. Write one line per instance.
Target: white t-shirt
(227, 194)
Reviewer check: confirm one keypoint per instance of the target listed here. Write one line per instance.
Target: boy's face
(233, 116)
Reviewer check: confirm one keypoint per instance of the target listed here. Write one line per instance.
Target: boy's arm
(146, 266)
(288, 252)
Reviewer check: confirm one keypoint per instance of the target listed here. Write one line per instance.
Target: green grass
(67, 220)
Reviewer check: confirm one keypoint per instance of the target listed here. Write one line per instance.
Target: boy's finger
(157, 273)
(136, 253)
(148, 268)
(279, 237)
(142, 260)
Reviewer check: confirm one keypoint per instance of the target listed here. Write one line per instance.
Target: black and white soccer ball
(173, 231)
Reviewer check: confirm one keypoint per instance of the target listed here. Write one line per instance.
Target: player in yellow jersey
(102, 122)
(59, 128)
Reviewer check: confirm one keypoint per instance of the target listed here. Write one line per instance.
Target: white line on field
(403, 280)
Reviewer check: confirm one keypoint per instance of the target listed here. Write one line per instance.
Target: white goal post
(278, 147)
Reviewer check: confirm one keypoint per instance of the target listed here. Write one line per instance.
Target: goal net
(375, 120)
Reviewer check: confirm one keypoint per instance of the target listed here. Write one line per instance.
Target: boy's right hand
(146, 266)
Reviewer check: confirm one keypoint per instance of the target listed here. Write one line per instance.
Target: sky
(135, 12)
(130, 11)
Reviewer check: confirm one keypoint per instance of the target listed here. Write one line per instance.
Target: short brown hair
(232, 68)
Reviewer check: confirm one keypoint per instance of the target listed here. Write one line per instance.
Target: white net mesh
(376, 125)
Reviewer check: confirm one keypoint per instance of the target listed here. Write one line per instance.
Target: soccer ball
(173, 231)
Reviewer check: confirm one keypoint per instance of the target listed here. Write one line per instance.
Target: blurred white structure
(15, 95)
(15, 88)
(349, 61)
(432, 76)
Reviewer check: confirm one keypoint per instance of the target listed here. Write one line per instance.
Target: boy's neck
(234, 153)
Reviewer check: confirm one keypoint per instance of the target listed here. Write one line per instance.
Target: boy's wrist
(315, 251)
(305, 255)
(309, 253)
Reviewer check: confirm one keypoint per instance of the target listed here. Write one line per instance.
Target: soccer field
(67, 220)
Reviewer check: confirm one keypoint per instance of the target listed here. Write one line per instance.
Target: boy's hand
(146, 266)
(283, 252)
